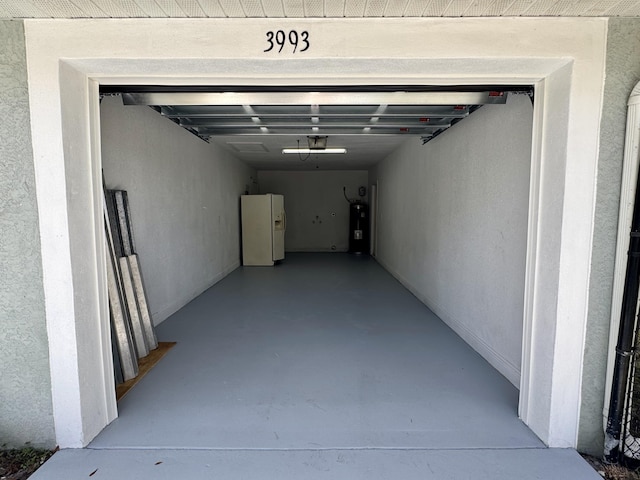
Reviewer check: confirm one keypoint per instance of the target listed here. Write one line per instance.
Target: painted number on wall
(299, 42)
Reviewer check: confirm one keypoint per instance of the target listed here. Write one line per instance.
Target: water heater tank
(358, 228)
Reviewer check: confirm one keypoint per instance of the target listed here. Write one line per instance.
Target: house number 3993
(299, 42)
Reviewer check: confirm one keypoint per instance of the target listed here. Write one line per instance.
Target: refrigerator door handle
(284, 218)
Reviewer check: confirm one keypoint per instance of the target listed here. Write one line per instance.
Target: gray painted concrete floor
(476, 464)
(322, 367)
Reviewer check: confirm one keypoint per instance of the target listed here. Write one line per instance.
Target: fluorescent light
(306, 151)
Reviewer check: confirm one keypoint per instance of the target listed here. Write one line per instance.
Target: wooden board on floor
(144, 365)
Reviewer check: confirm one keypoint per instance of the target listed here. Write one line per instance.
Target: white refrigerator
(263, 225)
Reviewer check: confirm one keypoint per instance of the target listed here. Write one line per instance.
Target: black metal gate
(622, 439)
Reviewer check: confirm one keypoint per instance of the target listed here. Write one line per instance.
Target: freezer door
(256, 230)
(279, 219)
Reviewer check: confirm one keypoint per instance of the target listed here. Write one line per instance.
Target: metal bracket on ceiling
(528, 92)
(177, 122)
(470, 109)
(102, 95)
(531, 96)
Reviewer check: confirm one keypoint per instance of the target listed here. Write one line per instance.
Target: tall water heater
(358, 228)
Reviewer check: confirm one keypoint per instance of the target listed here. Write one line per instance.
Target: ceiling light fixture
(307, 151)
(317, 144)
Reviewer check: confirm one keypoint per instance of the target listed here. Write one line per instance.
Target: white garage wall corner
(548, 187)
(317, 212)
(184, 196)
(84, 199)
(453, 226)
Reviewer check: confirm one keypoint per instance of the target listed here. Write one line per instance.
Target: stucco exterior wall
(622, 73)
(26, 413)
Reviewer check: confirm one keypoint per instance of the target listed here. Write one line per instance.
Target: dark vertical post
(624, 347)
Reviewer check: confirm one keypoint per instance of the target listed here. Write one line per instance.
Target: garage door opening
(64, 79)
(452, 227)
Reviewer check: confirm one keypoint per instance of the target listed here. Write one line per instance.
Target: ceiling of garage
(313, 8)
(256, 125)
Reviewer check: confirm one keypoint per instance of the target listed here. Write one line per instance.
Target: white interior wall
(184, 195)
(317, 212)
(453, 226)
